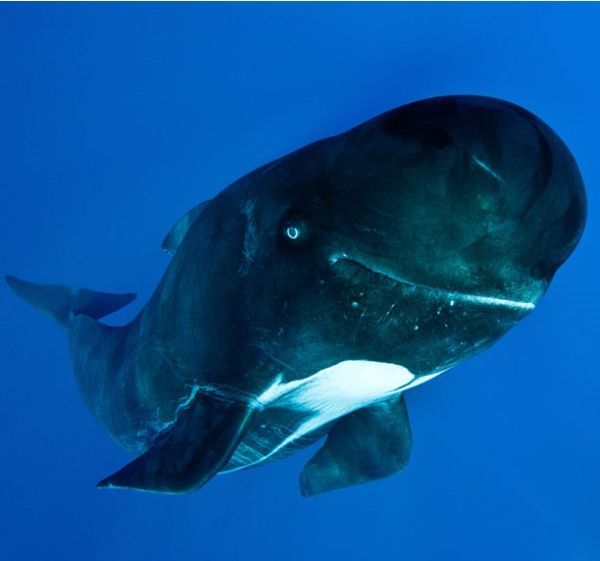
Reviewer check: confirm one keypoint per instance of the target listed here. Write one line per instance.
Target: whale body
(304, 299)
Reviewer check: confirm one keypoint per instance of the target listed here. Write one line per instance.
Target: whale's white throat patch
(350, 384)
(336, 391)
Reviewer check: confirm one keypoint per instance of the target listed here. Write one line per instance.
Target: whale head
(417, 238)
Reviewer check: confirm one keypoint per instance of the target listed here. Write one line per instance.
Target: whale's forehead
(468, 194)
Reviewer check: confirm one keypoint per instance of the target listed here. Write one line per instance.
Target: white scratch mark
(250, 236)
(452, 296)
(488, 169)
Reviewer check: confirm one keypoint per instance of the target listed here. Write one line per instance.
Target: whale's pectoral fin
(181, 227)
(188, 453)
(368, 444)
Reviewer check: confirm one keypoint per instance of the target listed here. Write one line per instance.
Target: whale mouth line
(452, 295)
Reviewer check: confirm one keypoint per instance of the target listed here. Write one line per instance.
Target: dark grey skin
(418, 239)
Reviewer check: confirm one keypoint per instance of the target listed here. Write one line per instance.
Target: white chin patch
(347, 385)
(336, 391)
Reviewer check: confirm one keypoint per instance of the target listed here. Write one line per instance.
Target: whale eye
(293, 232)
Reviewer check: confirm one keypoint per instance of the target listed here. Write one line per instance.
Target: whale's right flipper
(368, 444)
(188, 453)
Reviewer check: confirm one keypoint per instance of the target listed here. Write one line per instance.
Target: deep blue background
(115, 119)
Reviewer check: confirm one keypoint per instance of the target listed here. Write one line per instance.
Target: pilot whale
(304, 299)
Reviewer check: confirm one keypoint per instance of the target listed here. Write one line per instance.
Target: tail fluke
(60, 302)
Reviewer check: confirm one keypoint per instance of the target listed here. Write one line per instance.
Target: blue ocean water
(115, 119)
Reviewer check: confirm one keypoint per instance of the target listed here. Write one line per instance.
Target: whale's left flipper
(368, 444)
(188, 453)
